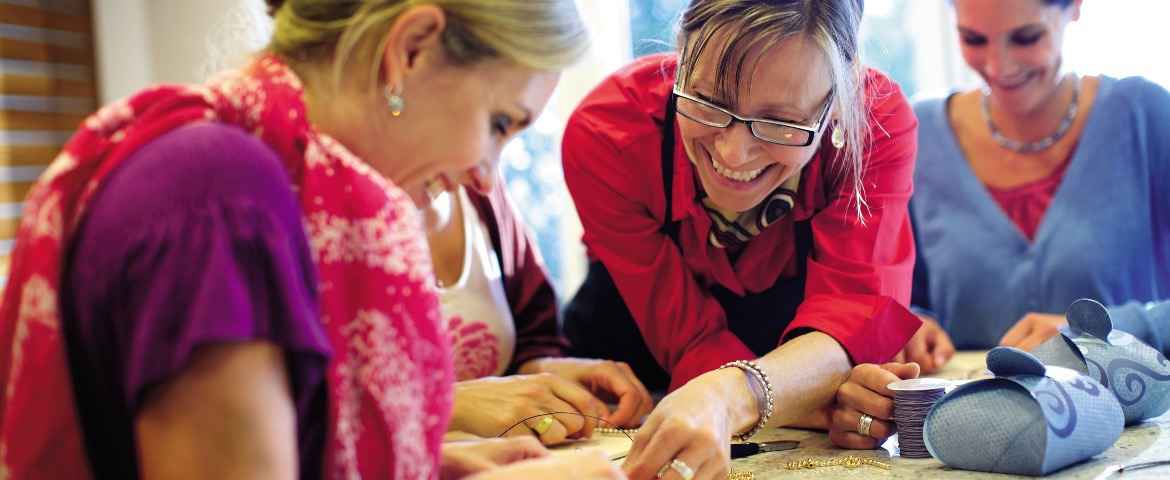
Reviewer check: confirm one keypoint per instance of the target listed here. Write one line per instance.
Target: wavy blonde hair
(539, 34)
(831, 25)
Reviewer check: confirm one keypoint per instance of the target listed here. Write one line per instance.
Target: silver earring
(394, 100)
(838, 136)
(433, 189)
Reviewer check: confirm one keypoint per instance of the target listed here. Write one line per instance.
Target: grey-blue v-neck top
(1106, 234)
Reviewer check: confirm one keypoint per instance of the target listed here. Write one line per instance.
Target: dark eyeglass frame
(811, 130)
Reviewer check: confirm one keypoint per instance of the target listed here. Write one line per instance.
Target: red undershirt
(1025, 204)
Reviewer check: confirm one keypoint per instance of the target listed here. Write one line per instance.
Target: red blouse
(1025, 204)
(859, 275)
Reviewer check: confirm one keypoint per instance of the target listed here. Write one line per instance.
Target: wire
(1119, 470)
(599, 419)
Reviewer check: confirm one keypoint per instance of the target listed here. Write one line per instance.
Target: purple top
(196, 239)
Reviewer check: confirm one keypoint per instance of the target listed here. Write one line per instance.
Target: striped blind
(47, 87)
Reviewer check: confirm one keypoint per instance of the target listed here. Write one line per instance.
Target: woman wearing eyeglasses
(1042, 188)
(744, 206)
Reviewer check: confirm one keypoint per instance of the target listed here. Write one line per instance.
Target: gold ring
(543, 425)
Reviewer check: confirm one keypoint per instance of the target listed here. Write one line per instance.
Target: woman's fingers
(576, 425)
(852, 440)
(632, 397)
(577, 397)
(663, 445)
(697, 463)
(917, 349)
(867, 389)
(849, 420)
(867, 392)
(901, 370)
(548, 429)
(646, 401)
(714, 471)
(857, 397)
(940, 347)
(517, 449)
(1038, 335)
(642, 438)
(1017, 333)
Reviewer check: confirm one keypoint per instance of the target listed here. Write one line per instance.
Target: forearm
(805, 373)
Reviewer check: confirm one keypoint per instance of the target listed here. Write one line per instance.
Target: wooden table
(1148, 441)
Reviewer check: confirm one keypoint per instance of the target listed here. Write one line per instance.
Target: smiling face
(1015, 45)
(461, 118)
(792, 82)
(456, 116)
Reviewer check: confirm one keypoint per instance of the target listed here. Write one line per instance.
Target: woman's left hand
(463, 458)
(609, 381)
(1032, 330)
(692, 425)
(867, 393)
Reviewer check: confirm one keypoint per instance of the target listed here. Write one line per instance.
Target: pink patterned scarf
(390, 378)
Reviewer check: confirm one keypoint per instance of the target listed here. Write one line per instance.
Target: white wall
(143, 42)
(1121, 39)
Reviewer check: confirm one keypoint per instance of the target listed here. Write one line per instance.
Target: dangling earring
(394, 100)
(838, 136)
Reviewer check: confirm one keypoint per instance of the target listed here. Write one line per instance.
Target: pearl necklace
(1043, 143)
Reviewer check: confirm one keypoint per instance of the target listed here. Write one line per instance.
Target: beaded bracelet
(765, 402)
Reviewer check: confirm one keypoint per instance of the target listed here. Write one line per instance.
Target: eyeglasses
(771, 131)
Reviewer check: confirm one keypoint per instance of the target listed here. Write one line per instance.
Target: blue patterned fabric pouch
(1135, 372)
(1028, 420)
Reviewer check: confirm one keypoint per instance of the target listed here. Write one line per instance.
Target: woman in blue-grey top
(1040, 189)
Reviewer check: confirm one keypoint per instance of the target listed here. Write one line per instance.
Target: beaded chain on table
(616, 431)
(849, 462)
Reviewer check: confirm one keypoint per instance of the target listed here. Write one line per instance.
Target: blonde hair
(539, 34)
(832, 25)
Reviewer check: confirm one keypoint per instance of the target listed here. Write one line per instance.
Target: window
(532, 162)
(652, 25)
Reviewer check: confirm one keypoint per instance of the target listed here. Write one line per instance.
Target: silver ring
(863, 424)
(679, 466)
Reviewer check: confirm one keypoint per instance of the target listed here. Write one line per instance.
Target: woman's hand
(610, 381)
(930, 348)
(819, 419)
(1033, 329)
(461, 459)
(584, 465)
(866, 392)
(488, 406)
(694, 425)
